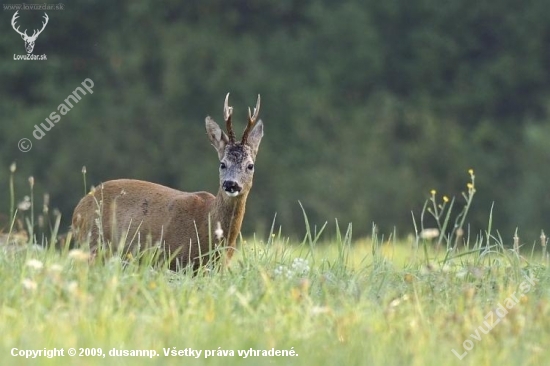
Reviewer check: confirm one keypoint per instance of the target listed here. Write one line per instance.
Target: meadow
(452, 298)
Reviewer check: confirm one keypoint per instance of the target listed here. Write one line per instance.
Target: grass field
(341, 301)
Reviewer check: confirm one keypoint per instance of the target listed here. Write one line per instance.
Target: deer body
(187, 225)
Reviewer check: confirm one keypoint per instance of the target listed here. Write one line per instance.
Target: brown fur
(167, 215)
(144, 213)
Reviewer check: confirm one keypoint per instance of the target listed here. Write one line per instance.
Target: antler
(43, 26)
(227, 112)
(24, 34)
(13, 19)
(251, 120)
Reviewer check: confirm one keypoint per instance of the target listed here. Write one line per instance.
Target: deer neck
(229, 212)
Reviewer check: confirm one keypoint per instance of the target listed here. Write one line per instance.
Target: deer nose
(231, 187)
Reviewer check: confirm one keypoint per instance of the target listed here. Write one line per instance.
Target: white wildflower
(34, 264)
(282, 271)
(462, 273)
(72, 287)
(79, 255)
(300, 266)
(429, 234)
(55, 268)
(25, 204)
(29, 284)
(317, 310)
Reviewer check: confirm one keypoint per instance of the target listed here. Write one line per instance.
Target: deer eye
(222, 165)
(250, 167)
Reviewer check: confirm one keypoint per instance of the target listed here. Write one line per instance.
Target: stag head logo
(29, 40)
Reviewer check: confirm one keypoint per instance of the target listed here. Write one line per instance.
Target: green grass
(337, 304)
(337, 301)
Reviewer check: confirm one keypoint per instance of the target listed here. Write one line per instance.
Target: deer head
(29, 41)
(236, 157)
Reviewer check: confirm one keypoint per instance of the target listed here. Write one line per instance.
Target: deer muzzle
(231, 188)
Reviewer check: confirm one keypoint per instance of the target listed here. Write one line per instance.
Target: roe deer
(185, 225)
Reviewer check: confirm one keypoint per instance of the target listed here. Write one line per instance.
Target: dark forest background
(367, 104)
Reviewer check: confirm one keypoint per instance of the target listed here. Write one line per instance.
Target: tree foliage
(367, 105)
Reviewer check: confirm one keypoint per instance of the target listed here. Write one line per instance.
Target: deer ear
(255, 137)
(217, 137)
